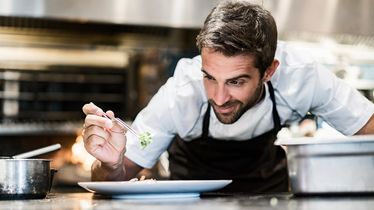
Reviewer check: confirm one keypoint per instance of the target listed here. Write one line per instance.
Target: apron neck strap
(206, 122)
(276, 118)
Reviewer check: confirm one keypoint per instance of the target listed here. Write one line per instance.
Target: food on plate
(142, 178)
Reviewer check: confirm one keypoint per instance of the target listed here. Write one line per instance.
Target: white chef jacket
(301, 85)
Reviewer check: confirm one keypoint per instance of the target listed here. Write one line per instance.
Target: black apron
(255, 165)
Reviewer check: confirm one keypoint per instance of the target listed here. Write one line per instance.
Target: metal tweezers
(121, 122)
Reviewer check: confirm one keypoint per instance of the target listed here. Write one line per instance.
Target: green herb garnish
(145, 139)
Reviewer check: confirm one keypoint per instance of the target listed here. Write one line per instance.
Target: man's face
(232, 84)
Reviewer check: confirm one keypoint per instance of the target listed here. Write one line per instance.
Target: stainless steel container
(330, 165)
(25, 178)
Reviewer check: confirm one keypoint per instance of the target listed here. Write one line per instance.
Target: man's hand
(103, 138)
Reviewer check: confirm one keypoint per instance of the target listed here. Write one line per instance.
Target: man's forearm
(100, 172)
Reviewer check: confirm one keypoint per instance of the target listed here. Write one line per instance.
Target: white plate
(154, 187)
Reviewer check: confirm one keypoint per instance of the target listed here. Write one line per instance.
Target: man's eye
(236, 82)
(208, 77)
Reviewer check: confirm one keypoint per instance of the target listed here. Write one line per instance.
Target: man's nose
(221, 95)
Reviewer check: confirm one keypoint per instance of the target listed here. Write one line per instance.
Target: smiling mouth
(225, 110)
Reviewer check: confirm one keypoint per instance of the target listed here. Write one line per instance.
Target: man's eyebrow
(205, 72)
(239, 77)
(230, 79)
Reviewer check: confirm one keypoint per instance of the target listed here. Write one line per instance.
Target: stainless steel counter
(87, 201)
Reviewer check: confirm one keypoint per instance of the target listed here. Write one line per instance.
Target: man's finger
(93, 141)
(98, 121)
(91, 108)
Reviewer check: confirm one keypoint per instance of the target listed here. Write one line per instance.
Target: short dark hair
(239, 27)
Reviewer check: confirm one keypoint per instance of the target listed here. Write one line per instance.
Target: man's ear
(271, 70)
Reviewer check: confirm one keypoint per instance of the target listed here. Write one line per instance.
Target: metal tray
(330, 165)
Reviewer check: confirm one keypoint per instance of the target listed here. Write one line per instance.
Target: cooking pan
(23, 178)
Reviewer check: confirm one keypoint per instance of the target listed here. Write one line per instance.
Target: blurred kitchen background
(56, 55)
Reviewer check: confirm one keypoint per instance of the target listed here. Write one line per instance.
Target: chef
(220, 112)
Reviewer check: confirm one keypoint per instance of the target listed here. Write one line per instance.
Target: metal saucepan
(22, 178)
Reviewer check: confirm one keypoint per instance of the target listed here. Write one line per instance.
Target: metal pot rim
(24, 159)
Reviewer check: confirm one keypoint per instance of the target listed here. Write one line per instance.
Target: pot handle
(52, 173)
